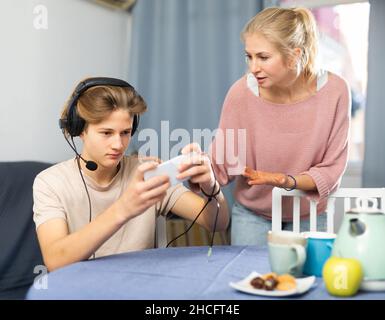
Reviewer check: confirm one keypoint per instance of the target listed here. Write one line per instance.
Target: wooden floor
(197, 236)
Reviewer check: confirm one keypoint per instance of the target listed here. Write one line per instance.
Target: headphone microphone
(90, 165)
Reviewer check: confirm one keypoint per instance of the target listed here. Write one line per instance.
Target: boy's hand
(198, 168)
(141, 195)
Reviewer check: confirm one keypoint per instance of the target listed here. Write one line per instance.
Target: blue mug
(319, 248)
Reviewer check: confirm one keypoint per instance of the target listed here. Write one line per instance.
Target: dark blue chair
(19, 248)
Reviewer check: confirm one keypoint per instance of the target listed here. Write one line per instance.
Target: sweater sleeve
(225, 164)
(327, 174)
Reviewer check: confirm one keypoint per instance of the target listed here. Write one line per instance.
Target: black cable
(84, 183)
(209, 198)
(215, 227)
(69, 143)
(192, 223)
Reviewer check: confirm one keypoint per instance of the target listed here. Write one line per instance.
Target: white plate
(303, 285)
(373, 285)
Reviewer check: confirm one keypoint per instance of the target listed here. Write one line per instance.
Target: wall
(40, 67)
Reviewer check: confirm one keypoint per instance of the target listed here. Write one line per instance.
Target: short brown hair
(97, 103)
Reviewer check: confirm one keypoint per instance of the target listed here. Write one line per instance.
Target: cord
(215, 226)
(85, 186)
(209, 198)
(190, 226)
(69, 143)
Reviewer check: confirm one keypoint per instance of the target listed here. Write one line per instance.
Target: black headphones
(73, 123)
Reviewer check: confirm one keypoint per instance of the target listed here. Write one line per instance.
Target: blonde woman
(296, 118)
(98, 203)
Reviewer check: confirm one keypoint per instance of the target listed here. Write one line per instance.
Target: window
(343, 49)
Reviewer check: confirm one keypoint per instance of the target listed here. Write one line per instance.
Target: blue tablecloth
(172, 273)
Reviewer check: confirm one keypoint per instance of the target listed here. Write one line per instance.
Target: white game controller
(169, 168)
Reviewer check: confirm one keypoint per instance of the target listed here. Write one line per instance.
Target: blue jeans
(247, 228)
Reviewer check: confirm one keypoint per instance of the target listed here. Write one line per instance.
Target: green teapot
(362, 236)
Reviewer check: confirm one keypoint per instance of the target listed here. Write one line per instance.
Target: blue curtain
(374, 161)
(185, 54)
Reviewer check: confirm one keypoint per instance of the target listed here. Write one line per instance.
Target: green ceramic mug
(287, 258)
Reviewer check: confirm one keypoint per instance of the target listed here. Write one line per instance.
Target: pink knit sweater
(307, 137)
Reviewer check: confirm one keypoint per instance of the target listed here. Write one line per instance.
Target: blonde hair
(97, 103)
(287, 29)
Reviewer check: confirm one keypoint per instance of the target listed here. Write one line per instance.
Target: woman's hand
(269, 178)
(198, 168)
